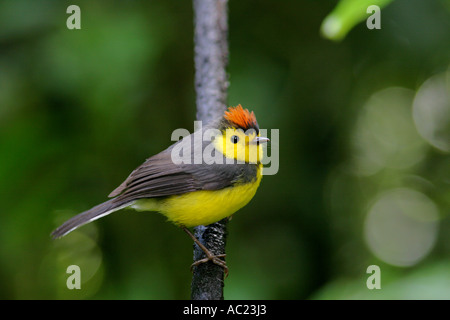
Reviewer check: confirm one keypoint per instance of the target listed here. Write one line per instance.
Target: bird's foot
(214, 259)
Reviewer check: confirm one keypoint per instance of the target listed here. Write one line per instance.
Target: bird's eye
(234, 139)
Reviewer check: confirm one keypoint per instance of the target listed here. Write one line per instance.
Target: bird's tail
(87, 216)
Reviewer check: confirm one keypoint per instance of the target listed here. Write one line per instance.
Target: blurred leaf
(346, 15)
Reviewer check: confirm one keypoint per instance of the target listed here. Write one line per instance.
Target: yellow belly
(202, 207)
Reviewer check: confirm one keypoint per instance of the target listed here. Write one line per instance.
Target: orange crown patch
(241, 118)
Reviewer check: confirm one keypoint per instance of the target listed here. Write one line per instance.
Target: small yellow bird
(192, 192)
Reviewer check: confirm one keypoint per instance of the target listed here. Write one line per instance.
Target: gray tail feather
(95, 213)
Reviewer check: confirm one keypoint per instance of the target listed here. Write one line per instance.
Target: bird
(190, 192)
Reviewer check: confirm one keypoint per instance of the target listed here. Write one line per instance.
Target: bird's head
(240, 139)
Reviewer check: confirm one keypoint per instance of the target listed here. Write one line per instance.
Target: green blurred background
(364, 123)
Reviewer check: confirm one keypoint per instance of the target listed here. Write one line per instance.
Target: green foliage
(364, 148)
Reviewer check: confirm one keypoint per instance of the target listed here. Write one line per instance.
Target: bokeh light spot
(401, 226)
(431, 111)
(385, 136)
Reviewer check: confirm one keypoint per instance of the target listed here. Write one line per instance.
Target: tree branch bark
(211, 57)
(211, 84)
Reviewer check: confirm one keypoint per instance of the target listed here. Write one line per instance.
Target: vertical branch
(211, 57)
(211, 84)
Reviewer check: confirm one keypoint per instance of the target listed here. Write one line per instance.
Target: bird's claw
(214, 259)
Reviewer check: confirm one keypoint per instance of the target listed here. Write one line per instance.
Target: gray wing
(159, 176)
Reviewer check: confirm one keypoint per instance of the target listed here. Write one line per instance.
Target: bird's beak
(258, 140)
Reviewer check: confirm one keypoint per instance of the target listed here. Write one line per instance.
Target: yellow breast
(202, 207)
